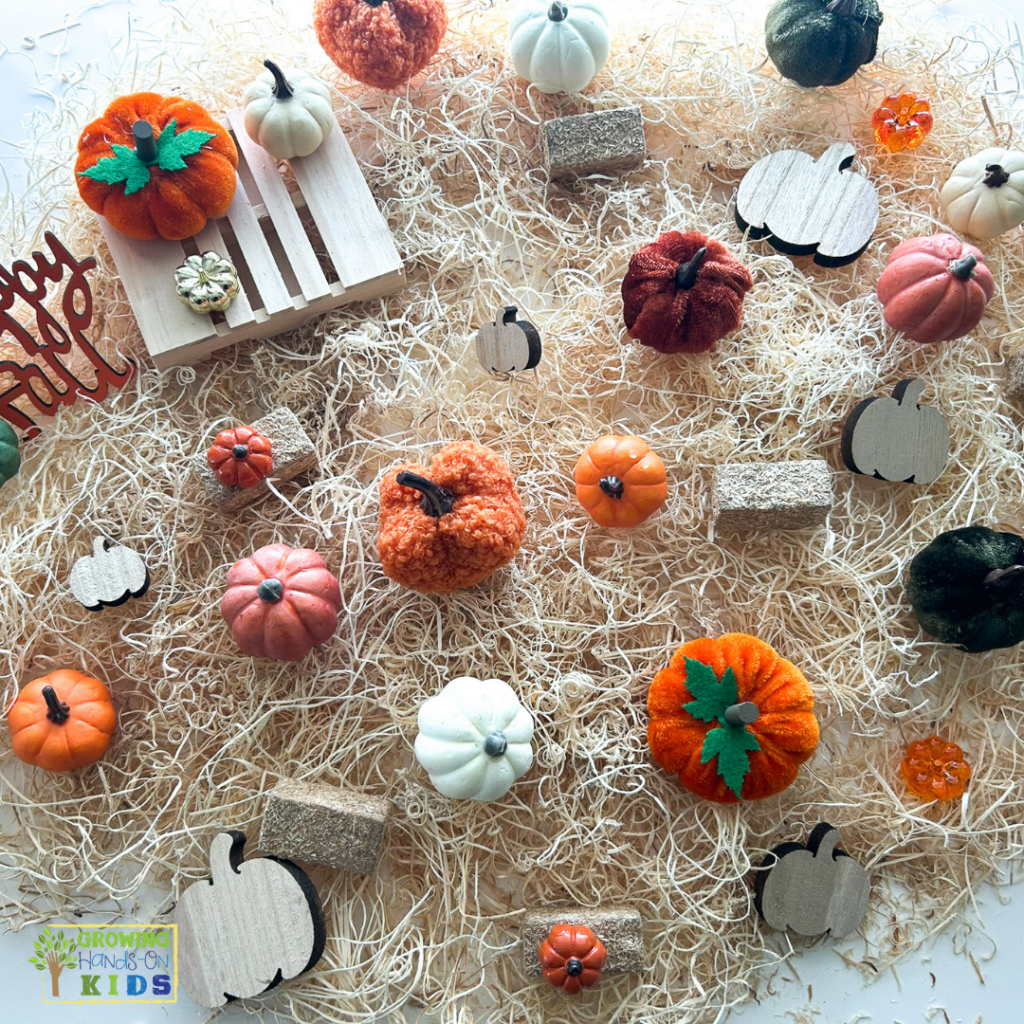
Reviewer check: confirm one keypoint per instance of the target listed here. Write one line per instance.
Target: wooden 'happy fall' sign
(45, 380)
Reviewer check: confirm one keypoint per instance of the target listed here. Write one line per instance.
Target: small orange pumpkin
(935, 769)
(620, 481)
(732, 718)
(241, 457)
(572, 957)
(156, 166)
(62, 721)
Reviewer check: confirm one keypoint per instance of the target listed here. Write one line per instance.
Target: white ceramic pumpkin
(559, 45)
(474, 739)
(289, 113)
(984, 195)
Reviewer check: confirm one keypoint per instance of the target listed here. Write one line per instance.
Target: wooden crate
(283, 284)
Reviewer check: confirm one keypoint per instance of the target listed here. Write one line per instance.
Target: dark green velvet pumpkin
(967, 588)
(818, 42)
(10, 457)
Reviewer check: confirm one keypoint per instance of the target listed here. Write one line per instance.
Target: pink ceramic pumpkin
(281, 602)
(935, 288)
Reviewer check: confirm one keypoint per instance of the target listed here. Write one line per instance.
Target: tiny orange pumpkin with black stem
(241, 457)
(572, 957)
(620, 481)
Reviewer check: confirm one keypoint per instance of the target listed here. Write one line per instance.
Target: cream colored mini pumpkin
(474, 739)
(289, 113)
(206, 283)
(984, 195)
(559, 45)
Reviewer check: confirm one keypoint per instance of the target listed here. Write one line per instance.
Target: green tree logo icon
(53, 953)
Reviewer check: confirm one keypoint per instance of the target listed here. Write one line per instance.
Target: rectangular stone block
(290, 448)
(608, 141)
(619, 928)
(772, 495)
(318, 824)
(1014, 386)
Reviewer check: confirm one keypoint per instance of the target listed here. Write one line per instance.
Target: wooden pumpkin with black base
(108, 577)
(508, 344)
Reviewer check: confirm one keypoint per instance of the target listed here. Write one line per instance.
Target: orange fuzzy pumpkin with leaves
(732, 718)
(156, 166)
(620, 481)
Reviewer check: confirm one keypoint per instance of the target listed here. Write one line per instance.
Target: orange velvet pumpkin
(281, 602)
(620, 481)
(62, 721)
(572, 957)
(732, 718)
(156, 166)
(241, 457)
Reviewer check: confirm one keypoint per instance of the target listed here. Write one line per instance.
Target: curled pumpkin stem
(963, 268)
(687, 272)
(612, 486)
(995, 176)
(282, 90)
(437, 501)
(57, 711)
(999, 578)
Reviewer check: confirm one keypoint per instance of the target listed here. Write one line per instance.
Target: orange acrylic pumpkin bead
(572, 957)
(241, 457)
(935, 769)
(902, 122)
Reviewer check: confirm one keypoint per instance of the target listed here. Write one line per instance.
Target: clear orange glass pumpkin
(902, 122)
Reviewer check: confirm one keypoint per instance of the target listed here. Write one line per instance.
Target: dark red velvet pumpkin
(683, 292)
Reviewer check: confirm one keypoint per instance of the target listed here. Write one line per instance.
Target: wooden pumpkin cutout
(896, 439)
(248, 928)
(812, 889)
(109, 576)
(802, 206)
(508, 344)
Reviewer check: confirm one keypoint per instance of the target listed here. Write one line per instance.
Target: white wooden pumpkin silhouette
(508, 344)
(109, 576)
(253, 925)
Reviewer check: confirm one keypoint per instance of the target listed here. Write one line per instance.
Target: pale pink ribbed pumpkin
(935, 288)
(281, 602)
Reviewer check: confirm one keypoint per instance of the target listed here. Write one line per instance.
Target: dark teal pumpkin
(10, 457)
(815, 45)
(967, 588)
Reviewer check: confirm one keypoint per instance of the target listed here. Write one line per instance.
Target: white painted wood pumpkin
(474, 739)
(109, 576)
(289, 113)
(984, 195)
(559, 45)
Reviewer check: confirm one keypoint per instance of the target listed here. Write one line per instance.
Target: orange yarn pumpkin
(241, 457)
(732, 718)
(935, 769)
(572, 957)
(156, 166)
(62, 721)
(620, 481)
(380, 42)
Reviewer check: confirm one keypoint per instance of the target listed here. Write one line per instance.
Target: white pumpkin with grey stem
(559, 45)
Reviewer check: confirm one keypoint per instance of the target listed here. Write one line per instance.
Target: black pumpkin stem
(963, 268)
(374, 3)
(240, 451)
(745, 713)
(558, 11)
(270, 590)
(574, 967)
(612, 486)
(995, 176)
(844, 8)
(437, 501)
(57, 711)
(998, 579)
(686, 273)
(145, 142)
(282, 90)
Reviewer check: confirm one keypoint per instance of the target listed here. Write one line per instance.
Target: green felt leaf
(731, 744)
(711, 695)
(171, 148)
(124, 166)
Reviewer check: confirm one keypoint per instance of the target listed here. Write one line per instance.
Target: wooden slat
(282, 213)
(346, 215)
(258, 257)
(239, 313)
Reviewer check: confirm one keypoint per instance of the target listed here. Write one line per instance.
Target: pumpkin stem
(612, 486)
(270, 590)
(1001, 578)
(745, 713)
(240, 451)
(495, 744)
(686, 273)
(558, 11)
(844, 8)
(963, 268)
(574, 967)
(145, 143)
(282, 90)
(437, 501)
(374, 3)
(995, 176)
(56, 710)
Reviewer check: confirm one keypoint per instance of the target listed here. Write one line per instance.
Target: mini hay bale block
(619, 928)
(1014, 386)
(772, 495)
(611, 141)
(318, 824)
(291, 449)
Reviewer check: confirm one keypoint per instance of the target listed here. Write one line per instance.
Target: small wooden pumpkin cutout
(812, 889)
(896, 439)
(109, 576)
(572, 957)
(508, 344)
(248, 928)
(801, 205)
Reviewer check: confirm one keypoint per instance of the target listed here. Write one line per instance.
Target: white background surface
(938, 983)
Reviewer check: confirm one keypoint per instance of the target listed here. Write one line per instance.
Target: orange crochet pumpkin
(62, 721)
(451, 524)
(935, 769)
(380, 42)
(156, 166)
(732, 718)
(620, 481)
(241, 457)
(572, 957)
